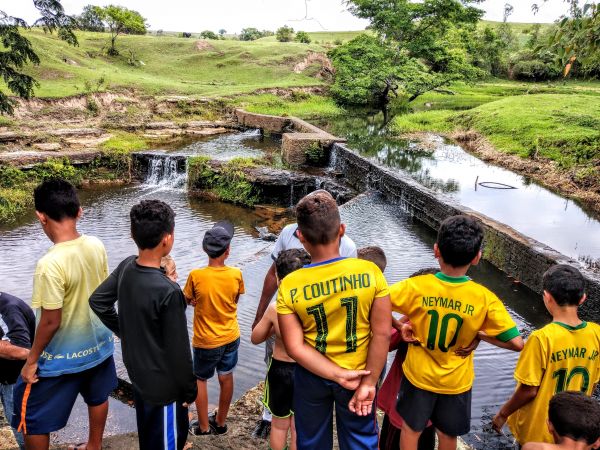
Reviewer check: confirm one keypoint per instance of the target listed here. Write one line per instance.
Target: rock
(265, 234)
(48, 146)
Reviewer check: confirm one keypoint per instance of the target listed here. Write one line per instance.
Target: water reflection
(445, 167)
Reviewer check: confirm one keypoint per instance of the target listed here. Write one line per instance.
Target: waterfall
(167, 172)
(333, 157)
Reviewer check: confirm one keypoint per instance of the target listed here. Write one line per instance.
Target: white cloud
(233, 15)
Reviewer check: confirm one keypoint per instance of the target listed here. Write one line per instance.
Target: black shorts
(451, 414)
(279, 388)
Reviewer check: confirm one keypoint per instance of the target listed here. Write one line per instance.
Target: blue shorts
(223, 359)
(314, 400)
(45, 406)
(161, 427)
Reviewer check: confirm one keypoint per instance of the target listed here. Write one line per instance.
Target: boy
(279, 385)
(17, 328)
(574, 422)
(335, 318)
(562, 356)
(72, 351)
(168, 265)
(215, 291)
(447, 311)
(374, 254)
(152, 326)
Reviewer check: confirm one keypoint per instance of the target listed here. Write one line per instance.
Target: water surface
(445, 167)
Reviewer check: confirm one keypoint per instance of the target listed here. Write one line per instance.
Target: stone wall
(302, 143)
(517, 255)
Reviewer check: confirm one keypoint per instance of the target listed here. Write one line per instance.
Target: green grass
(124, 143)
(300, 105)
(324, 37)
(171, 65)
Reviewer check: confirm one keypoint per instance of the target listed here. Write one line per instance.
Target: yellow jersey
(333, 301)
(216, 291)
(446, 313)
(556, 358)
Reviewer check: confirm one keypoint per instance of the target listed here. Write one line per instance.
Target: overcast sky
(233, 15)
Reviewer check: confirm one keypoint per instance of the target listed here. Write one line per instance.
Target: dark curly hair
(459, 240)
(57, 198)
(151, 220)
(565, 284)
(289, 261)
(576, 416)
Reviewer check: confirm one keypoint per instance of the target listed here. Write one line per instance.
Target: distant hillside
(167, 65)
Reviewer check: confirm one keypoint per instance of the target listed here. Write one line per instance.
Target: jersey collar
(329, 261)
(583, 324)
(449, 279)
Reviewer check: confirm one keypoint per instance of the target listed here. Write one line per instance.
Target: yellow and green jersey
(556, 358)
(446, 313)
(333, 301)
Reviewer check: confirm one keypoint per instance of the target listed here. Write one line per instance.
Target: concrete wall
(298, 136)
(517, 255)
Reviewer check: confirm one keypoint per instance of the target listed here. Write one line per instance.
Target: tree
(422, 45)
(285, 34)
(207, 34)
(17, 51)
(303, 37)
(222, 33)
(250, 34)
(90, 20)
(120, 20)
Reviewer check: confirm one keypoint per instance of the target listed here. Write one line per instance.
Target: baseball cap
(217, 239)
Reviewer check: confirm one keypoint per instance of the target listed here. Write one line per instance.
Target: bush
(303, 37)
(535, 70)
(285, 34)
(207, 34)
(11, 177)
(186, 35)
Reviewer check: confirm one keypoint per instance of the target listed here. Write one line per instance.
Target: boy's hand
(466, 351)
(361, 402)
(29, 373)
(350, 379)
(498, 422)
(407, 333)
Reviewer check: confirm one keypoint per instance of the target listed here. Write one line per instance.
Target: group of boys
(332, 324)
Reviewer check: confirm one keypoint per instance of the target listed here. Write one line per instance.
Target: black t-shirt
(152, 326)
(17, 326)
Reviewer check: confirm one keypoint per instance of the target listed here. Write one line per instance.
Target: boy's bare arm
(309, 358)
(268, 291)
(11, 351)
(515, 344)
(538, 446)
(522, 396)
(46, 329)
(381, 313)
(264, 329)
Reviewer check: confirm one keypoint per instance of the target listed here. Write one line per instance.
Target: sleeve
(381, 286)
(498, 322)
(48, 287)
(103, 300)
(174, 325)
(532, 362)
(242, 287)
(400, 295)
(18, 328)
(188, 290)
(348, 248)
(284, 301)
(280, 243)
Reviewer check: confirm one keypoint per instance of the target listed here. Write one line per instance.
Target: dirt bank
(543, 171)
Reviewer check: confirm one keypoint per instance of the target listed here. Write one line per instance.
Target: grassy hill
(168, 65)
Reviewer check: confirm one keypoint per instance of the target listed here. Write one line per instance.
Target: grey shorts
(451, 414)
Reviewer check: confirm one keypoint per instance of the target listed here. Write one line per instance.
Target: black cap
(217, 239)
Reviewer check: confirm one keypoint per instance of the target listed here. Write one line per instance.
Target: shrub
(285, 34)
(207, 34)
(303, 37)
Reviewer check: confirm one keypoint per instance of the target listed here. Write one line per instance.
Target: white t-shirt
(288, 240)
